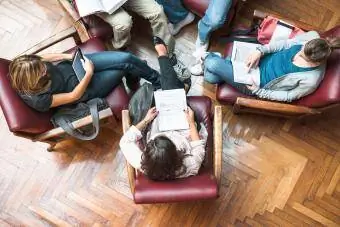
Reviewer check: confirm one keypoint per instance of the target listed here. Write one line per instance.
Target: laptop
(77, 64)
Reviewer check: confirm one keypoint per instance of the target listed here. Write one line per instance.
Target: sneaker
(181, 71)
(201, 47)
(175, 28)
(197, 69)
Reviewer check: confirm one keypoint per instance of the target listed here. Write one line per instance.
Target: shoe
(175, 28)
(181, 71)
(201, 48)
(156, 41)
(198, 68)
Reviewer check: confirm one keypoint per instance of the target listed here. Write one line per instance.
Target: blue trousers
(214, 18)
(174, 10)
(109, 69)
(218, 70)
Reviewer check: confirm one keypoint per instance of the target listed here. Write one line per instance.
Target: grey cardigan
(293, 85)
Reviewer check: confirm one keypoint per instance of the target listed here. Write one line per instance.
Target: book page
(171, 105)
(112, 5)
(87, 7)
(240, 54)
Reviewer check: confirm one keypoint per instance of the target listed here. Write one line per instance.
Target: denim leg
(129, 63)
(102, 83)
(214, 18)
(174, 10)
(219, 70)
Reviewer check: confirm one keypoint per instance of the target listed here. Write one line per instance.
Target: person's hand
(88, 66)
(253, 60)
(190, 115)
(252, 87)
(150, 115)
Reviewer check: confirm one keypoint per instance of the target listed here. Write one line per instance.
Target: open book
(239, 56)
(170, 105)
(87, 7)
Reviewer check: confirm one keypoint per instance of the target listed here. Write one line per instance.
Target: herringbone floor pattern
(275, 172)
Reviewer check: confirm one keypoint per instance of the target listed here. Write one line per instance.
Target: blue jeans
(109, 69)
(218, 70)
(174, 10)
(213, 19)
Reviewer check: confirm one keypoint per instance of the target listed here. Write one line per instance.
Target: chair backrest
(328, 91)
(19, 116)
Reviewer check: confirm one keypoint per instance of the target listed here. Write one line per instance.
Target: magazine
(170, 105)
(239, 56)
(88, 7)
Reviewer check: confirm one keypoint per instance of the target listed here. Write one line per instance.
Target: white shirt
(194, 150)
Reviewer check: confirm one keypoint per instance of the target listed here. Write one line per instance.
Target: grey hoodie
(293, 85)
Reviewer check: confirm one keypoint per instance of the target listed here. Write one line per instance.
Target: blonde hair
(318, 50)
(26, 74)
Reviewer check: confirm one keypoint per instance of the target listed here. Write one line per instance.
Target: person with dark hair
(288, 69)
(171, 154)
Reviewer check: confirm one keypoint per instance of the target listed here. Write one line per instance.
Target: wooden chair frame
(217, 146)
(56, 135)
(78, 22)
(271, 107)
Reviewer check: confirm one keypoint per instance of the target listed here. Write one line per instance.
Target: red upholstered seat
(327, 93)
(22, 118)
(202, 186)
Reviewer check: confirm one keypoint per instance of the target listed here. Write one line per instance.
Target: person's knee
(211, 63)
(124, 24)
(126, 57)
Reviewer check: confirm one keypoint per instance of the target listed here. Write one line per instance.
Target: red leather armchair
(26, 122)
(205, 185)
(326, 96)
(199, 7)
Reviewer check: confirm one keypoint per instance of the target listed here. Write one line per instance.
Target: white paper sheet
(171, 105)
(240, 54)
(87, 7)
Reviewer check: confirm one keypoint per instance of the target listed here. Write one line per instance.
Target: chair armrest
(76, 124)
(270, 106)
(67, 33)
(126, 121)
(217, 156)
(69, 9)
(258, 17)
(77, 20)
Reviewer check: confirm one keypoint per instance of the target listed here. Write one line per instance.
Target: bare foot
(161, 50)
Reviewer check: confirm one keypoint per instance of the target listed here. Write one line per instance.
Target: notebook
(77, 64)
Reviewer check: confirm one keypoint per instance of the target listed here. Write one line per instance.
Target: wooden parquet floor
(275, 172)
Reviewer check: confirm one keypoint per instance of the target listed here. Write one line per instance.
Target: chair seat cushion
(326, 94)
(98, 28)
(198, 187)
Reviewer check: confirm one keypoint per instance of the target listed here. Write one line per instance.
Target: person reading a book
(43, 85)
(288, 69)
(169, 154)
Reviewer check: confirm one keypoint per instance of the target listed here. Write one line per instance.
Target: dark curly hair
(161, 160)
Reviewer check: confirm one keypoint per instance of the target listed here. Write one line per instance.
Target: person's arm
(304, 88)
(192, 126)
(128, 142)
(56, 57)
(78, 91)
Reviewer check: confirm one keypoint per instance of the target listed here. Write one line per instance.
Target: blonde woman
(43, 85)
